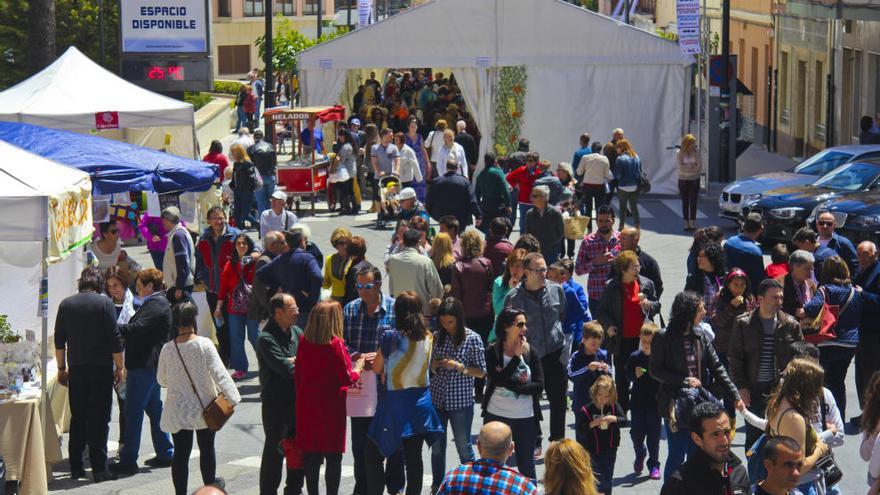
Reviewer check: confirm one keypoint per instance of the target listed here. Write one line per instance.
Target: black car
(786, 209)
(857, 216)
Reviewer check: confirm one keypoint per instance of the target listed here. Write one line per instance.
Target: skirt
(403, 414)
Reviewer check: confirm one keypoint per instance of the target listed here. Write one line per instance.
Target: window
(234, 59)
(285, 7)
(253, 8)
(344, 4)
(856, 93)
(783, 87)
(818, 93)
(224, 9)
(310, 7)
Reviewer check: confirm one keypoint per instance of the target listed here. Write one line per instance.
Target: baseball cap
(407, 193)
(279, 194)
(355, 122)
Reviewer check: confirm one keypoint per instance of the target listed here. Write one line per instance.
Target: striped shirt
(766, 370)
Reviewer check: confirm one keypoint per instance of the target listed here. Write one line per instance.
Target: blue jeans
(257, 114)
(241, 118)
(264, 193)
(143, 395)
(603, 469)
(835, 360)
(242, 202)
(460, 422)
(680, 446)
(238, 324)
(645, 426)
(523, 209)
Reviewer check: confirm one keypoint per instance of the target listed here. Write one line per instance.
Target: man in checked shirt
(595, 256)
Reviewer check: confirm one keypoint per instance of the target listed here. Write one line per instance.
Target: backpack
(241, 295)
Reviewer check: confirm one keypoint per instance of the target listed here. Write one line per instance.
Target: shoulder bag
(218, 412)
(827, 465)
(241, 295)
(821, 328)
(644, 182)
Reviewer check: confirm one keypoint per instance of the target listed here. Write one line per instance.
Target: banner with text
(164, 26)
(688, 26)
(365, 13)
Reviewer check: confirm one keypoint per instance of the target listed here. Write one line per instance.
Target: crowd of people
(465, 319)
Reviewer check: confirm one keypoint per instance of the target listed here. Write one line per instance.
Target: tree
(78, 26)
(590, 5)
(41, 34)
(13, 42)
(287, 44)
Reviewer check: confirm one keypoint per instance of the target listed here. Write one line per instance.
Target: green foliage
(671, 36)
(7, 336)
(226, 87)
(288, 43)
(198, 100)
(13, 42)
(590, 5)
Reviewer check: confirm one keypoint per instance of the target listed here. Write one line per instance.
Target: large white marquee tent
(585, 72)
(73, 91)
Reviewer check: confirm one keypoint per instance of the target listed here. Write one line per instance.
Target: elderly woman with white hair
(798, 285)
(451, 151)
(545, 223)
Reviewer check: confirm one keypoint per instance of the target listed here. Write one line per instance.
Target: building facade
(752, 40)
(859, 73)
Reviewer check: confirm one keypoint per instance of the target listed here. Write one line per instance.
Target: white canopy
(585, 72)
(71, 92)
(41, 201)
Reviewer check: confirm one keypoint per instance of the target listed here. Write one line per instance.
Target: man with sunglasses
(544, 305)
(364, 320)
(825, 225)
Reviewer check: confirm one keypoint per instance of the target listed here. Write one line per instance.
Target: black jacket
(611, 309)
(547, 227)
(697, 476)
(467, 142)
(452, 195)
(264, 157)
(668, 365)
(504, 377)
(747, 343)
(147, 331)
(259, 306)
(276, 372)
(790, 302)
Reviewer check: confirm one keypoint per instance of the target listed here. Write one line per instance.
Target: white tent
(47, 214)
(585, 72)
(74, 92)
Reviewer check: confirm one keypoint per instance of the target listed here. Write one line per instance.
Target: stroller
(389, 205)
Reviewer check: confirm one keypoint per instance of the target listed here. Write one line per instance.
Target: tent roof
(24, 174)
(473, 33)
(68, 93)
(114, 166)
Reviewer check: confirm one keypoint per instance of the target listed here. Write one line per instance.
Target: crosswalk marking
(348, 472)
(675, 206)
(643, 212)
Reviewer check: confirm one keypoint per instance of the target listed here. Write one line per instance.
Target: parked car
(751, 189)
(857, 216)
(786, 209)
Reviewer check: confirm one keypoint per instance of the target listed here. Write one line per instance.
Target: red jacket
(322, 375)
(205, 270)
(218, 159)
(524, 178)
(229, 281)
(250, 103)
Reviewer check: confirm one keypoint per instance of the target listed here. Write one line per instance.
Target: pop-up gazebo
(541, 69)
(76, 94)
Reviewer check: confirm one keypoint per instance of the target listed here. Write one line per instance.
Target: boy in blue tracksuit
(577, 308)
(587, 363)
(645, 423)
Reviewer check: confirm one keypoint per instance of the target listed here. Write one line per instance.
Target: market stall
(306, 173)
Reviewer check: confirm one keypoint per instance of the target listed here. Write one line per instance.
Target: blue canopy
(113, 165)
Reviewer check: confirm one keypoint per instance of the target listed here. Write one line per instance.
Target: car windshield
(850, 177)
(823, 162)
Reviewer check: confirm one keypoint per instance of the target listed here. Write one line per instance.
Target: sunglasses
(367, 286)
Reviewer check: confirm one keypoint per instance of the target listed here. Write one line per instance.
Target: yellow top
(334, 277)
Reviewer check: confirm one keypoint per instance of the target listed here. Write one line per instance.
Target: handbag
(644, 182)
(821, 328)
(218, 412)
(831, 472)
(575, 226)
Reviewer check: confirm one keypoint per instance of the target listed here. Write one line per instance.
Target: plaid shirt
(451, 390)
(361, 331)
(593, 248)
(485, 477)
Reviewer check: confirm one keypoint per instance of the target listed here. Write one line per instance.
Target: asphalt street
(239, 444)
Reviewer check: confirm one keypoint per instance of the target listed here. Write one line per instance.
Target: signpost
(166, 44)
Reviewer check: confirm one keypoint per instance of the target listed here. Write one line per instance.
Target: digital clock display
(169, 75)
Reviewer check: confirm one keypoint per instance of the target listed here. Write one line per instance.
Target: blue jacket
(819, 257)
(845, 250)
(576, 159)
(582, 377)
(847, 327)
(627, 170)
(577, 310)
(745, 254)
(451, 195)
(295, 272)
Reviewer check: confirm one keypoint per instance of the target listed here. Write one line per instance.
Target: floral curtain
(509, 108)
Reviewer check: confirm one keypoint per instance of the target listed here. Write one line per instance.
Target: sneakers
(639, 465)
(122, 468)
(239, 375)
(655, 473)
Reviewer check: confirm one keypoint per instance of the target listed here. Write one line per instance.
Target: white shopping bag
(206, 326)
(362, 396)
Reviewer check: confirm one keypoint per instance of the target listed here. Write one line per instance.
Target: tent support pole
(44, 324)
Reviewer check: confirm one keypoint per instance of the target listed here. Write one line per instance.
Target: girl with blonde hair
(689, 167)
(568, 470)
(627, 171)
(441, 255)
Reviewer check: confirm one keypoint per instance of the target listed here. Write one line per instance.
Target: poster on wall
(365, 13)
(688, 12)
(164, 26)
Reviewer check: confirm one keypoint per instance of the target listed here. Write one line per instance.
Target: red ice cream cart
(305, 174)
